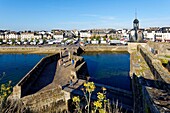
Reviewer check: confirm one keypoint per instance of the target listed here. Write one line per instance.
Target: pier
(40, 81)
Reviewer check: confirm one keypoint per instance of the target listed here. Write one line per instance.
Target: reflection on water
(109, 68)
(15, 66)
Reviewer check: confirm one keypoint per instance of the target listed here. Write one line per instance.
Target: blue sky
(82, 14)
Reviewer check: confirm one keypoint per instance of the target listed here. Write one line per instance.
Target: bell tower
(136, 22)
(136, 26)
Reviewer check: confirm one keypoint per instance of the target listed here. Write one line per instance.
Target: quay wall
(159, 72)
(99, 48)
(53, 49)
(30, 49)
(20, 90)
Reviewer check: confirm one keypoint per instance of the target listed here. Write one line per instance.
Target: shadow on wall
(46, 77)
(39, 77)
(155, 84)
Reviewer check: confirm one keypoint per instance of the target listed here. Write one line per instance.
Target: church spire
(135, 14)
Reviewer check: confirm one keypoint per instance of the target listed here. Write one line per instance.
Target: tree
(19, 39)
(31, 40)
(37, 41)
(93, 37)
(13, 41)
(25, 40)
(44, 40)
(110, 37)
(98, 38)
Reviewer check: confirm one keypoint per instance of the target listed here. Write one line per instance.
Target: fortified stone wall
(47, 101)
(142, 100)
(147, 101)
(26, 82)
(159, 72)
(80, 67)
(163, 48)
(133, 46)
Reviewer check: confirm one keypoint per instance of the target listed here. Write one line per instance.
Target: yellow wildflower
(76, 99)
(90, 87)
(103, 88)
(98, 104)
(102, 111)
(100, 96)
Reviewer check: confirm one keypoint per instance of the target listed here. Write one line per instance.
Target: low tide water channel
(110, 68)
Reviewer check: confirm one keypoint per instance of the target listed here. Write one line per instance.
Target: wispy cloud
(75, 23)
(107, 17)
(100, 17)
(89, 15)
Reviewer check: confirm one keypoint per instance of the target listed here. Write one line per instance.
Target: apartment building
(157, 34)
(27, 35)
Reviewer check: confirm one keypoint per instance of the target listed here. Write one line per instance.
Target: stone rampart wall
(133, 46)
(141, 97)
(78, 60)
(155, 66)
(162, 48)
(26, 82)
(46, 101)
(80, 66)
(147, 101)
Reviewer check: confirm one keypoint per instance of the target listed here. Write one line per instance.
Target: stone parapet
(46, 101)
(155, 65)
(25, 83)
(162, 48)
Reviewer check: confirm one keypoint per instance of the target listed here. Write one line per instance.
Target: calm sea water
(15, 66)
(109, 68)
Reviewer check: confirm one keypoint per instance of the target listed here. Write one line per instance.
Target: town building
(85, 33)
(27, 35)
(157, 34)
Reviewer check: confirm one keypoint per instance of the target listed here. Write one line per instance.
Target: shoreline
(53, 50)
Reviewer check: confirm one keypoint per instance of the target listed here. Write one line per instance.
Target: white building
(125, 34)
(27, 35)
(58, 37)
(157, 34)
(150, 36)
(85, 33)
(11, 35)
(37, 36)
(103, 41)
(94, 41)
(2, 36)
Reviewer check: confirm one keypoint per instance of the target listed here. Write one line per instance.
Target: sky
(82, 14)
